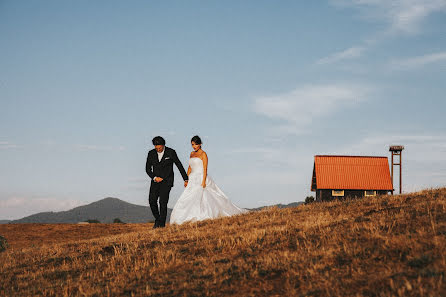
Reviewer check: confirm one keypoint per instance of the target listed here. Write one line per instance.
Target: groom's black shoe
(157, 224)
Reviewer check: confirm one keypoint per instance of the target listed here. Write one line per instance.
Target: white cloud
(94, 147)
(251, 150)
(423, 148)
(297, 109)
(254, 188)
(429, 142)
(400, 16)
(138, 183)
(5, 145)
(420, 60)
(255, 178)
(350, 53)
(16, 207)
(424, 156)
(407, 16)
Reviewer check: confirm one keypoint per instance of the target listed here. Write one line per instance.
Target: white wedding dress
(198, 203)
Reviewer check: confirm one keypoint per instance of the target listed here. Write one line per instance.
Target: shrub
(118, 221)
(3, 244)
(309, 199)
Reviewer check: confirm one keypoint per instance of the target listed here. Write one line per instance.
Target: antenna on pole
(396, 151)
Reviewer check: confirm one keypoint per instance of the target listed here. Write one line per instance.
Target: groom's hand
(158, 179)
(185, 183)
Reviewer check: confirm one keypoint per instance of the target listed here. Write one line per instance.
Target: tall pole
(401, 176)
(393, 187)
(397, 150)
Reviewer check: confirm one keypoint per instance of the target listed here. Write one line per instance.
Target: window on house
(370, 193)
(337, 192)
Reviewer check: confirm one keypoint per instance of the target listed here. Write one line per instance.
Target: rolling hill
(105, 211)
(378, 246)
(280, 205)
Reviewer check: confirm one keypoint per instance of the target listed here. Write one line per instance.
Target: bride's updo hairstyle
(196, 139)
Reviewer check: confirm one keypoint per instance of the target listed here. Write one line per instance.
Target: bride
(202, 199)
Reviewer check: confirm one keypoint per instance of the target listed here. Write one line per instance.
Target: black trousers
(161, 191)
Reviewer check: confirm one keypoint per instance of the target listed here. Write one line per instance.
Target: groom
(159, 167)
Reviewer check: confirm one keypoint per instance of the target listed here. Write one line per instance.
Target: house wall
(324, 195)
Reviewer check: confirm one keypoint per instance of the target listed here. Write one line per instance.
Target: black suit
(163, 169)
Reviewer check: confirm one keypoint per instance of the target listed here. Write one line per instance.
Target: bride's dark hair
(196, 139)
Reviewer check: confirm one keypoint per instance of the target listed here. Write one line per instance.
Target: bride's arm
(189, 169)
(205, 169)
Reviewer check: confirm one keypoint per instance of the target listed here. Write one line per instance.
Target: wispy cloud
(138, 183)
(251, 150)
(419, 61)
(16, 207)
(423, 147)
(399, 16)
(402, 16)
(102, 148)
(423, 157)
(407, 15)
(5, 145)
(297, 109)
(350, 53)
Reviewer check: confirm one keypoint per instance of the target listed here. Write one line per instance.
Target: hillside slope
(382, 246)
(104, 210)
(280, 205)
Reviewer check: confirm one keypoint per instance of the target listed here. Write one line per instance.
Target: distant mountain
(105, 211)
(293, 204)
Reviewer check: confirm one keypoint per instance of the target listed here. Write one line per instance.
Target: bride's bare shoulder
(203, 155)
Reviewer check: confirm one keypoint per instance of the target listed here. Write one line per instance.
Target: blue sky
(84, 86)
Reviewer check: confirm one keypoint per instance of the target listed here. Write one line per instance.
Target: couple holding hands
(201, 199)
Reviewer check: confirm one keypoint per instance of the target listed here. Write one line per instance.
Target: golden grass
(381, 246)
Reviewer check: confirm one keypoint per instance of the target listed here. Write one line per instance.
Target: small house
(350, 176)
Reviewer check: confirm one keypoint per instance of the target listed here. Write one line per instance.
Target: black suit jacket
(164, 169)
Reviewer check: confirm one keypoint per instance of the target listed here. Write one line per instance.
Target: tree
(118, 221)
(309, 199)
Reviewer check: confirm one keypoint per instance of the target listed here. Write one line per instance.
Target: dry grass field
(382, 246)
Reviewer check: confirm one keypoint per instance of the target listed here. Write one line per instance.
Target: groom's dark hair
(158, 140)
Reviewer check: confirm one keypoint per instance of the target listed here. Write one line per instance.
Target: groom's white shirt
(160, 156)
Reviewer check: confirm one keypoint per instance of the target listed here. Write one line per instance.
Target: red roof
(351, 173)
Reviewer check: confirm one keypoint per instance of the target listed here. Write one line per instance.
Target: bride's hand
(203, 184)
